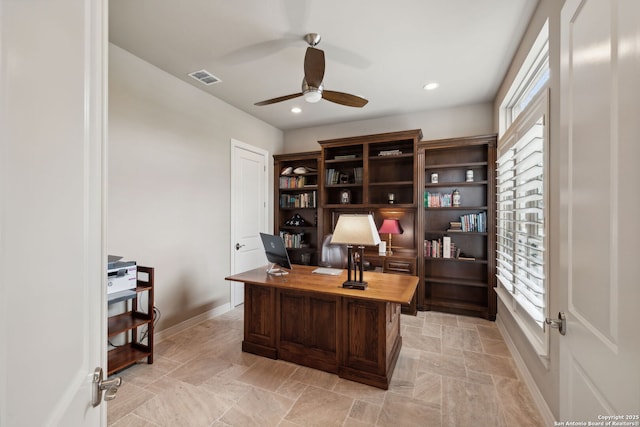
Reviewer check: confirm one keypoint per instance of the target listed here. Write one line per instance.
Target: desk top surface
(395, 288)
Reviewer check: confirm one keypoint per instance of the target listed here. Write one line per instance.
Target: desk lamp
(390, 226)
(358, 230)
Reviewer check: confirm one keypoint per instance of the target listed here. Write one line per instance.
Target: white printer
(121, 276)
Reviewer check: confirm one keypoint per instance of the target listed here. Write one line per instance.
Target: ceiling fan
(312, 89)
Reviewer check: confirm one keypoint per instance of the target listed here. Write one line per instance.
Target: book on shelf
(446, 247)
(454, 226)
(390, 153)
(357, 175)
(332, 176)
(474, 222)
(296, 182)
(437, 200)
(293, 240)
(302, 200)
(440, 248)
(344, 156)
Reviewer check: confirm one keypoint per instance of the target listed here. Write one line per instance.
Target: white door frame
(238, 145)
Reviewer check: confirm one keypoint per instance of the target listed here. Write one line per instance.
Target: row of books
(473, 222)
(357, 175)
(335, 176)
(302, 200)
(292, 240)
(437, 200)
(444, 248)
(295, 182)
(440, 248)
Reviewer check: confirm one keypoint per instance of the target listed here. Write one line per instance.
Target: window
(531, 78)
(538, 78)
(522, 198)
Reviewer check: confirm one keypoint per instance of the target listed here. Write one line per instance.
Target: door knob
(110, 387)
(560, 323)
(238, 246)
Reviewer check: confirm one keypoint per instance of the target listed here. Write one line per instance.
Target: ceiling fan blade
(279, 99)
(314, 67)
(344, 98)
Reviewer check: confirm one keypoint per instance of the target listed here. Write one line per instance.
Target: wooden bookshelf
(303, 192)
(461, 286)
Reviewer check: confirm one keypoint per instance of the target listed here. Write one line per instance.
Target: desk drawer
(400, 266)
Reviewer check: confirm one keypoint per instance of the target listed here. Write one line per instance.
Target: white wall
(453, 122)
(169, 182)
(545, 375)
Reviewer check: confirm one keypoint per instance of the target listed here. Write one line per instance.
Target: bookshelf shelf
(459, 208)
(455, 184)
(478, 261)
(392, 183)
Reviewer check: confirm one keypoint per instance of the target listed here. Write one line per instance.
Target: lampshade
(391, 226)
(354, 229)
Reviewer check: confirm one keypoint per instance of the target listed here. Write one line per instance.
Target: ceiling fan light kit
(312, 89)
(312, 96)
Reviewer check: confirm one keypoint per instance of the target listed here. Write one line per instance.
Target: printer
(121, 276)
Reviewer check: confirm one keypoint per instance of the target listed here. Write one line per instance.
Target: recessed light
(431, 86)
(296, 110)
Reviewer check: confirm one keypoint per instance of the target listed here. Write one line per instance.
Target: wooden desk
(309, 319)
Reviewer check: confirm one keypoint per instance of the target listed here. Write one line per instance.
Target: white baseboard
(538, 399)
(166, 333)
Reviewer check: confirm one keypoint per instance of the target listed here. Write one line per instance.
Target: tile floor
(452, 371)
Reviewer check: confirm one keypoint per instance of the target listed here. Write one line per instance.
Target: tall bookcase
(459, 280)
(297, 196)
(375, 174)
(358, 174)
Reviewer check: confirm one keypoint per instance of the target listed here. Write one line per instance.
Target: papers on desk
(327, 270)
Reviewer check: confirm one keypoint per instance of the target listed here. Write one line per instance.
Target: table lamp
(360, 230)
(390, 226)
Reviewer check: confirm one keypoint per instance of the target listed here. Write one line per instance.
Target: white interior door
(52, 258)
(249, 214)
(600, 354)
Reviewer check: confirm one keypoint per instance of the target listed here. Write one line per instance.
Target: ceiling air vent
(205, 77)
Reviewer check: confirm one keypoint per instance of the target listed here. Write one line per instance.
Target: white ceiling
(384, 51)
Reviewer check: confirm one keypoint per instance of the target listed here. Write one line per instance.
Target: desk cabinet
(357, 339)
(310, 319)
